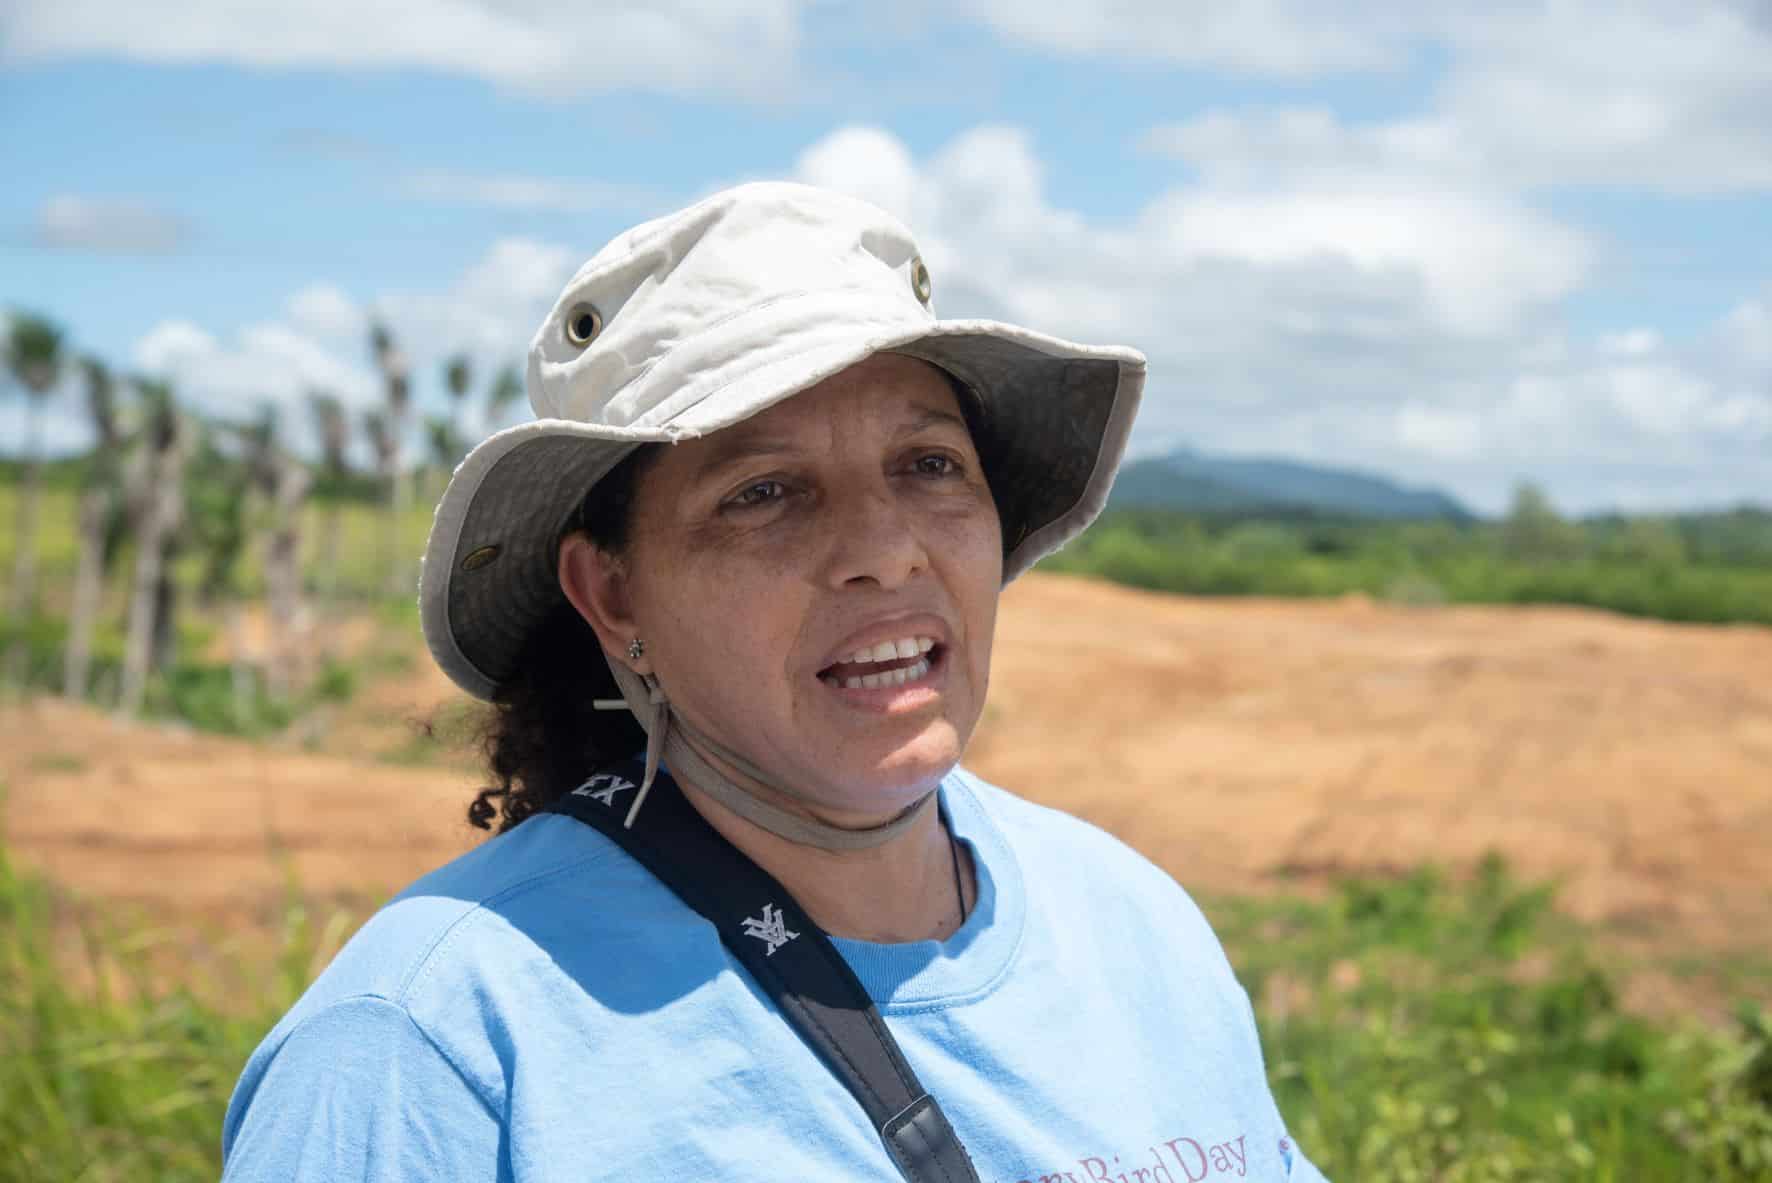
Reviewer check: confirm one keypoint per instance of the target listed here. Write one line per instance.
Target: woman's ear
(596, 583)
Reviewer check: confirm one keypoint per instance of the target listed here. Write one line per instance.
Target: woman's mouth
(889, 664)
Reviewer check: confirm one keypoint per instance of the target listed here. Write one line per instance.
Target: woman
(765, 513)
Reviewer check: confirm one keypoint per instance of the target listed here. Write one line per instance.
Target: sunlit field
(1415, 1029)
(1451, 1019)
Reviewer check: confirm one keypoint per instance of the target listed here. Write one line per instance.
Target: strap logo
(611, 785)
(772, 930)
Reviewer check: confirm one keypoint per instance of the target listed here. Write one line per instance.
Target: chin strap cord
(670, 736)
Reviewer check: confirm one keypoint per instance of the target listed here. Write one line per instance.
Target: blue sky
(1462, 250)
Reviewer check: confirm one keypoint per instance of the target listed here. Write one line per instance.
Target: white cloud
(1436, 431)
(1285, 38)
(1478, 259)
(325, 312)
(108, 226)
(1406, 322)
(265, 364)
(744, 46)
(1667, 95)
(1376, 324)
(1747, 333)
(169, 344)
(1648, 425)
(321, 344)
(869, 162)
(1354, 258)
(1631, 343)
(1659, 400)
(529, 193)
(1261, 145)
(492, 309)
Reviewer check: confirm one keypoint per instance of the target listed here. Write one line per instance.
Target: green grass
(1419, 1029)
(1415, 1028)
(1422, 564)
(196, 692)
(57, 537)
(362, 568)
(122, 1079)
(192, 689)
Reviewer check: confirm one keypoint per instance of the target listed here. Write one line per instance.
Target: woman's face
(763, 558)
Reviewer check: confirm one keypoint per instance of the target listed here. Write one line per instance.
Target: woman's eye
(759, 493)
(935, 464)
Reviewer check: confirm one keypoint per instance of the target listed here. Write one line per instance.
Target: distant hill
(1190, 480)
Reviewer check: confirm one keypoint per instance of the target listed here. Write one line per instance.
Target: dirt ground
(1244, 744)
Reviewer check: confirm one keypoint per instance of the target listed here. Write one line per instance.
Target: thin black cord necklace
(959, 892)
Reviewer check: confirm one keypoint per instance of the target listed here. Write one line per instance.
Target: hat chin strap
(671, 737)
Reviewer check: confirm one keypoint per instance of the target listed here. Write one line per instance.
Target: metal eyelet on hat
(583, 324)
(920, 280)
(479, 558)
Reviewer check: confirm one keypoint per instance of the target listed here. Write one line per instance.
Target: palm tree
(335, 438)
(506, 389)
(284, 482)
(98, 506)
(218, 496)
(34, 360)
(447, 446)
(396, 381)
(446, 449)
(387, 451)
(458, 375)
(158, 500)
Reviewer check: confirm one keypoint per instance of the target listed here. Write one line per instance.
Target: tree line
(1702, 567)
(166, 484)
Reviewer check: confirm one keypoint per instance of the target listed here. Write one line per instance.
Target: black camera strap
(788, 955)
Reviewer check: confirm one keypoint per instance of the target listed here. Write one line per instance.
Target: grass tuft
(1417, 1028)
(105, 1072)
(1422, 1029)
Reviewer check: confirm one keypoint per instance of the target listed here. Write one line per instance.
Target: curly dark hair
(542, 729)
(541, 733)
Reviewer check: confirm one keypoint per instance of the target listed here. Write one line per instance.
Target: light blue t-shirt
(542, 1008)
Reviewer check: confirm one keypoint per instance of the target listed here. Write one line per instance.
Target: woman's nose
(874, 540)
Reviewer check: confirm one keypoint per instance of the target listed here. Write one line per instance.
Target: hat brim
(1060, 414)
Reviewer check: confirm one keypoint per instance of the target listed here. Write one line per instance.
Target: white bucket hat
(698, 320)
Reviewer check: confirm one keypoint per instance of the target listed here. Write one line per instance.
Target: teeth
(891, 650)
(910, 673)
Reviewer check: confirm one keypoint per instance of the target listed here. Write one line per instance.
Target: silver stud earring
(636, 649)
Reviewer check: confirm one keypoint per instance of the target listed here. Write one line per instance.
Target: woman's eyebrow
(742, 449)
(931, 417)
(748, 447)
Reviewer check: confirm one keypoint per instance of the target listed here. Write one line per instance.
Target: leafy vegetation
(176, 513)
(1420, 1029)
(188, 685)
(1416, 1029)
(1709, 568)
(122, 1077)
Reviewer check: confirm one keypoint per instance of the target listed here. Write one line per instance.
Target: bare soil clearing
(1243, 744)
